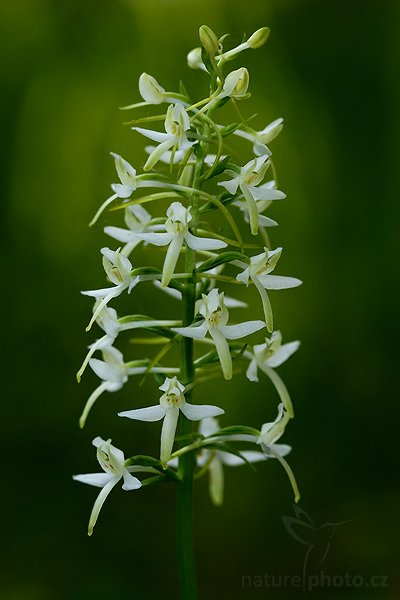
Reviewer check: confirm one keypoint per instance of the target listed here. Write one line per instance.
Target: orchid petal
(197, 332)
(266, 304)
(96, 479)
(196, 412)
(234, 332)
(157, 239)
(278, 282)
(223, 351)
(168, 433)
(216, 485)
(100, 501)
(130, 482)
(198, 243)
(171, 259)
(156, 136)
(252, 371)
(92, 399)
(283, 353)
(150, 414)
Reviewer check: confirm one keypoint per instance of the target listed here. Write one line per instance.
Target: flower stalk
(192, 168)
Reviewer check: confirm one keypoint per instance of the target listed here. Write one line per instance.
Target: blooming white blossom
(129, 182)
(258, 272)
(137, 219)
(267, 357)
(118, 269)
(248, 180)
(112, 461)
(215, 317)
(260, 139)
(177, 232)
(262, 205)
(171, 402)
(153, 93)
(177, 123)
(113, 371)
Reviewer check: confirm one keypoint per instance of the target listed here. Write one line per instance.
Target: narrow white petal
(281, 449)
(100, 501)
(278, 282)
(230, 186)
(150, 414)
(96, 479)
(158, 152)
(197, 332)
(171, 259)
(197, 243)
(262, 193)
(122, 191)
(234, 332)
(103, 370)
(252, 208)
(266, 304)
(156, 136)
(120, 234)
(112, 294)
(252, 371)
(280, 388)
(283, 353)
(168, 434)
(157, 239)
(216, 485)
(103, 207)
(223, 351)
(196, 412)
(233, 303)
(92, 349)
(92, 399)
(235, 461)
(130, 482)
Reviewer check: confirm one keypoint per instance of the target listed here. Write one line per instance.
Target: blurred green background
(330, 70)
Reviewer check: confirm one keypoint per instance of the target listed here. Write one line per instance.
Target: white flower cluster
(196, 258)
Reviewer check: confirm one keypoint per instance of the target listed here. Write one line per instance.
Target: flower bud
(258, 38)
(150, 90)
(194, 59)
(208, 39)
(236, 83)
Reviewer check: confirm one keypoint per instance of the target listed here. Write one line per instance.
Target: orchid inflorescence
(193, 164)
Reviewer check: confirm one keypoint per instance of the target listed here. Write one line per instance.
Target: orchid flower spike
(215, 317)
(258, 272)
(118, 269)
(171, 402)
(177, 123)
(177, 232)
(112, 461)
(260, 139)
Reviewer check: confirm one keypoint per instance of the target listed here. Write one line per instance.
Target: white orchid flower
(114, 373)
(177, 232)
(269, 196)
(137, 220)
(260, 139)
(217, 459)
(153, 93)
(107, 319)
(215, 315)
(195, 60)
(171, 402)
(248, 180)
(235, 86)
(129, 182)
(118, 269)
(177, 123)
(112, 461)
(267, 357)
(258, 272)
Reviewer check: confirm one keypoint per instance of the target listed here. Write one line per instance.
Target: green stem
(187, 462)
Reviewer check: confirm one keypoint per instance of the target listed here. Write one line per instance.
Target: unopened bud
(236, 83)
(258, 38)
(150, 90)
(208, 39)
(194, 59)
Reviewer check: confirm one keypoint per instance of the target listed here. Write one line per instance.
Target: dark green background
(330, 69)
